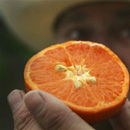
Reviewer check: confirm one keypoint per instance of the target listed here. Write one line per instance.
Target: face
(104, 23)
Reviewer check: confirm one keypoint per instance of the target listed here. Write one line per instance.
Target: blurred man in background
(106, 22)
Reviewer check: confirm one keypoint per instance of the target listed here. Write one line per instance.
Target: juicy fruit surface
(62, 71)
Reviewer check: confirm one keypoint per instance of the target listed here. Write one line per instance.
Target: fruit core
(78, 73)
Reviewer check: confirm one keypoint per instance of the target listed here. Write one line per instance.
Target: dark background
(13, 57)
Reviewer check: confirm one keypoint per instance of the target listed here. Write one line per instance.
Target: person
(103, 22)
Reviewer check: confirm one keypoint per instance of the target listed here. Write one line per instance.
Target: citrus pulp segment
(87, 76)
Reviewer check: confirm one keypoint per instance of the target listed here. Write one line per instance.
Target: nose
(100, 32)
(101, 37)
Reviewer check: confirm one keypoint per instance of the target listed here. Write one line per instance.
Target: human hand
(38, 110)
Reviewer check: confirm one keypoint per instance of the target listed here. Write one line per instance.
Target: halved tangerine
(87, 76)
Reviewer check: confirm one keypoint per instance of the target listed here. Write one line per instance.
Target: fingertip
(15, 98)
(34, 102)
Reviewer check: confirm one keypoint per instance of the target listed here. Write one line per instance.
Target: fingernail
(14, 99)
(34, 102)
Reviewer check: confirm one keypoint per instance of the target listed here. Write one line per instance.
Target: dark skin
(108, 24)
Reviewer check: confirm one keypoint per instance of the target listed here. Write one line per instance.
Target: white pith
(79, 74)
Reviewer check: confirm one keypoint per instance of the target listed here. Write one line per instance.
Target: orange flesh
(101, 64)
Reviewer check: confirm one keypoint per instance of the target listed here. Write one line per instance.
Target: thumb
(53, 114)
(23, 119)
